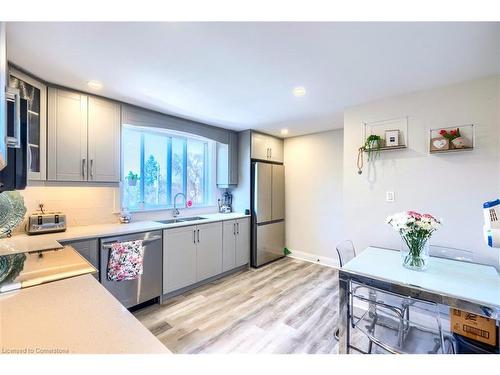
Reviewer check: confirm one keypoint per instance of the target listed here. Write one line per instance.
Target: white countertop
(75, 315)
(468, 281)
(24, 243)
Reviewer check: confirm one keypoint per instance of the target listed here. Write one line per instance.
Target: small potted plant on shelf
(372, 146)
(132, 178)
(456, 140)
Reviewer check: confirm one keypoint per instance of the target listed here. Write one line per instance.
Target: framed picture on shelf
(440, 144)
(392, 138)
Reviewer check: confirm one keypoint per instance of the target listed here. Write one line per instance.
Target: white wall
(313, 175)
(451, 186)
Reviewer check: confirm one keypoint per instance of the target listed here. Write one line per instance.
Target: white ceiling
(241, 75)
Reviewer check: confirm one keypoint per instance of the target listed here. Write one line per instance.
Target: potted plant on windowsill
(132, 178)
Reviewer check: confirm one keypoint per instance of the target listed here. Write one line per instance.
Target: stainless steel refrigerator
(268, 212)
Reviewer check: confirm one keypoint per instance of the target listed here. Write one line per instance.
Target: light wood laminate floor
(289, 306)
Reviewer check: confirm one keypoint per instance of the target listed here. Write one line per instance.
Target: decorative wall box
(451, 139)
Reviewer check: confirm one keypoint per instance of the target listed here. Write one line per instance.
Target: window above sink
(158, 164)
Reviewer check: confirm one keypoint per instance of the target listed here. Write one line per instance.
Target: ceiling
(241, 75)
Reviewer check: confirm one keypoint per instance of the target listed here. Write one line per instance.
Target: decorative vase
(458, 142)
(132, 182)
(415, 254)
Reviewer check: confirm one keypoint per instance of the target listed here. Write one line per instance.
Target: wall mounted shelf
(380, 128)
(441, 145)
(390, 148)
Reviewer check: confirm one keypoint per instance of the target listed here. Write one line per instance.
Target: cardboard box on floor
(473, 326)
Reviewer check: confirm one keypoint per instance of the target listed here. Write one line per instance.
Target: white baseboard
(314, 258)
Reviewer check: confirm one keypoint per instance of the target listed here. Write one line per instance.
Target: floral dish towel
(125, 260)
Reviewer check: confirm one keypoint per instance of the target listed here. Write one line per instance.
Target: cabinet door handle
(83, 167)
(92, 168)
(194, 236)
(234, 229)
(237, 228)
(270, 153)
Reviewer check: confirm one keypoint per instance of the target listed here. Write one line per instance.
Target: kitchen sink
(180, 220)
(169, 221)
(191, 218)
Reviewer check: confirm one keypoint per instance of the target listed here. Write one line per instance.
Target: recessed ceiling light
(299, 91)
(96, 85)
(284, 131)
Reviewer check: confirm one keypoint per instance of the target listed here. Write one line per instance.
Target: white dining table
(467, 286)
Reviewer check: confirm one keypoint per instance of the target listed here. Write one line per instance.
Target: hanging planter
(372, 146)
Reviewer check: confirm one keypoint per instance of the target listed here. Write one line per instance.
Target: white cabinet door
(228, 245)
(179, 258)
(260, 146)
(104, 140)
(276, 149)
(209, 252)
(242, 242)
(67, 137)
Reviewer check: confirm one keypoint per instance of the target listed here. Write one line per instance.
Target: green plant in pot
(372, 146)
(132, 178)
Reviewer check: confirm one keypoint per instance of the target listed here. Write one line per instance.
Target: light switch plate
(389, 196)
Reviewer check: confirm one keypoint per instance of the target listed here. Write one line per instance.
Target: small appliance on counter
(226, 203)
(42, 222)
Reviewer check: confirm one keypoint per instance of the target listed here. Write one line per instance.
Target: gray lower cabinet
(228, 245)
(242, 241)
(236, 244)
(179, 258)
(209, 250)
(191, 254)
(89, 249)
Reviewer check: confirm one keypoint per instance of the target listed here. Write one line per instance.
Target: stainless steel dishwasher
(148, 285)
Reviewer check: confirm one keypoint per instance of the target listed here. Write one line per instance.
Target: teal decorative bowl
(12, 211)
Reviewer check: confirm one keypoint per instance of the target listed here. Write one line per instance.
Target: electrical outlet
(389, 196)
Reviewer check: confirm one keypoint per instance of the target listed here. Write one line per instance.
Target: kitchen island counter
(75, 315)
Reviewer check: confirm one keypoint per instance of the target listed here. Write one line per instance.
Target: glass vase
(415, 254)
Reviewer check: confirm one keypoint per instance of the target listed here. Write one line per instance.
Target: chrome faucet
(176, 210)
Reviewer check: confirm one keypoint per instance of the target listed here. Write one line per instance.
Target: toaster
(46, 222)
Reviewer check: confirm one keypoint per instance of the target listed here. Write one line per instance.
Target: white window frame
(209, 175)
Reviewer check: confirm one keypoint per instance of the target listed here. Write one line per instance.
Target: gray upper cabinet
(227, 162)
(103, 140)
(83, 137)
(266, 147)
(67, 135)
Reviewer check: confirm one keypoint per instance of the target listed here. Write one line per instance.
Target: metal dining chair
(346, 252)
(451, 253)
(391, 329)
